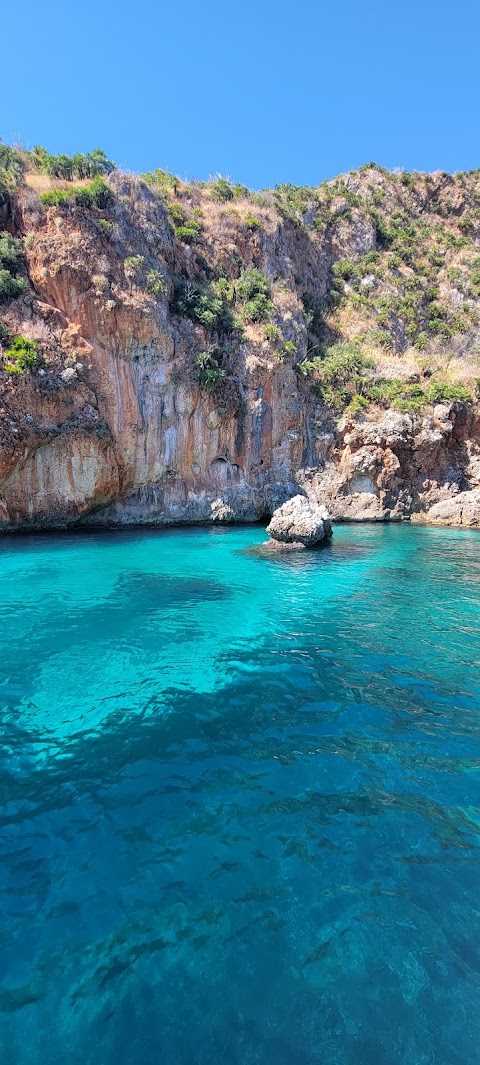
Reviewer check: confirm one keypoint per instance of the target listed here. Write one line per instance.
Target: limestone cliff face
(116, 424)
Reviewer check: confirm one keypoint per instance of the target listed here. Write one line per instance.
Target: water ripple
(240, 813)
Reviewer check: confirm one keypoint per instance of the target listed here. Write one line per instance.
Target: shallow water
(240, 808)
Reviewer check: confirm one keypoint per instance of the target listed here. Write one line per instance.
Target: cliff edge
(184, 352)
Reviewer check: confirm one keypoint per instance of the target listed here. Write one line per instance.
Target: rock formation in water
(175, 352)
(300, 521)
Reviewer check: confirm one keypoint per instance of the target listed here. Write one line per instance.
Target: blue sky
(261, 91)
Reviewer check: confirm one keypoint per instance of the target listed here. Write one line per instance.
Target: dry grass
(43, 183)
(218, 216)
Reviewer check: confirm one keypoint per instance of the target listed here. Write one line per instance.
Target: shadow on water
(302, 558)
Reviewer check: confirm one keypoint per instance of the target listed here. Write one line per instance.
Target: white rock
(300, 521)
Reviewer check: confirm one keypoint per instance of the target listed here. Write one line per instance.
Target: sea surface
(240, 799)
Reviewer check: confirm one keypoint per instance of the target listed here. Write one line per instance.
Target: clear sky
(263, 91)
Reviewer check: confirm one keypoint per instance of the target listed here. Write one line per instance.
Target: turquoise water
(240, 816)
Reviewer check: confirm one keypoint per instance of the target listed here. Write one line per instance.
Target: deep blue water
(240, 799)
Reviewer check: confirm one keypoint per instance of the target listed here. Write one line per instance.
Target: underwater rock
(300, 521)
(274, 547)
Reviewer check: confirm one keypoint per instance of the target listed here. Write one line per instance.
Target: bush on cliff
(11, 255)
(252, 283)
(96, 194)
(206, 304)
(293, 201)
(253, 290)
(209, 370)
(441, 391)
(11, 287)
(346, 379)
(257, 309)
(11, 262)
(341, 374)
(166, 183)
(222, 190)
(11, 172)
(156, 283)
(21, 355)
(186, 229)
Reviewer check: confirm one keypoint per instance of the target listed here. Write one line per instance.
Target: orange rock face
(116, 426)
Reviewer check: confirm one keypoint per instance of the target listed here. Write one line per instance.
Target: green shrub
(11, 287)
(11, 255)
(162, 180)
(358, 404)
(412, 398)
(470, 220)
(96, 194)
(210, 371)
(440, 328)
(435, 310)
(253, 290)
(344, 268)
(401, 395)
(372, 166)
(341, 374)
(293, 201)
(383, 338)
(394, 392)
(4, 193)
(272, 332)
(285, 349)
(241, 192)
(189, 233)
(105, 227)
(203, 304)
(176, 214)
(156, 283)
(367, 263)
(253, 223)
(11, 261)
(11, 172)
(186, 229)
(252, 283)
(444, 391)
(257, 309)
(222, 190)
(58, 197)
(452, 241)
(21, 355)
(10, 162)
(223, 288)
(134, 263)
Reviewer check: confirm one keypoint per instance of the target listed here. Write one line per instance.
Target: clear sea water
(240, 799)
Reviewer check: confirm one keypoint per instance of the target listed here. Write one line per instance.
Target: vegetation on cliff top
(347, 379)
(402, 278)
(17, 163)
(70, 167)
(389, 316)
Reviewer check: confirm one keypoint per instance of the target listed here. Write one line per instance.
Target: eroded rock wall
(116, 426)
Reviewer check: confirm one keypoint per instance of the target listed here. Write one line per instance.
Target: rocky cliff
(176, 352)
